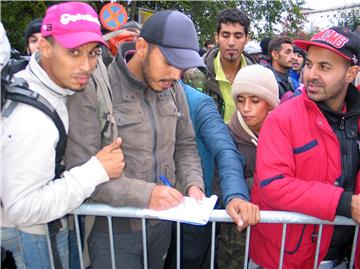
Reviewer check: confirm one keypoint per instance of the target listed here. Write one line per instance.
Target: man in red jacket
(308, 159)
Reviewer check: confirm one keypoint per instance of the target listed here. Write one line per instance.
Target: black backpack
(17, 90)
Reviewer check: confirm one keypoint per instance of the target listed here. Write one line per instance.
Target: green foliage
(266, 15)
(16, 15)
(349, 18)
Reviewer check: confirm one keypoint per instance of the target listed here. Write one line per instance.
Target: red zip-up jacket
(298, 162)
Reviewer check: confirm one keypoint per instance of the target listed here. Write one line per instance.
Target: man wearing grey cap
(152, 117)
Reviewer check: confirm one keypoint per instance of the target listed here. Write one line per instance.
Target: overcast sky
(324, 20)
(321, 4)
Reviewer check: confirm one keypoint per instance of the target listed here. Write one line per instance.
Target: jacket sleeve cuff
(91, 171)
(230, 197)
(344, 205)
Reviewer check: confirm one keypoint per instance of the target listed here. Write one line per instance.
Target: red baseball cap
(72, 24)
(337, 39)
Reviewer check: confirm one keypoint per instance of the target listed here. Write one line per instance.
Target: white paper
(189, 211)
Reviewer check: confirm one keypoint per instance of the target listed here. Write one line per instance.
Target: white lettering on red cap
(66, 18)
(332, 37)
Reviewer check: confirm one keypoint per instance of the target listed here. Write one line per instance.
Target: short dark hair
(208, 42)
(275, 43)
(232, 15)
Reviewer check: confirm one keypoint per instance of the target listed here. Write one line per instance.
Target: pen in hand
(165, 180)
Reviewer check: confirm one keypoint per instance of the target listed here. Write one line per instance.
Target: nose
(311, 72)
(293, 56)
(175, 73)
(247, 106)
(86, 64)
(231, 40)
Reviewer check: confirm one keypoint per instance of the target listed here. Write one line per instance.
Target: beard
(232, 57)
(145, 71)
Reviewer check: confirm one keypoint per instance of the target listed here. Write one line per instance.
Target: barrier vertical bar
(111, 239)
(48, 240)
(246, 258)
(213, 232)
(144, 235)
(352, 257)
(78, 240)
(317, 251)
(178, 253)
(283, 236)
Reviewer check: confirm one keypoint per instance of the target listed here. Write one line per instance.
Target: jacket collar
(352, 102)
(124, 50)
(242, 132)
(43, 77)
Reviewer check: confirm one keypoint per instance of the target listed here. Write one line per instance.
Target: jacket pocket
(127, 119)
(136, 168)
(307, 157)
(168, 108)
(168, 170)
(308, 146)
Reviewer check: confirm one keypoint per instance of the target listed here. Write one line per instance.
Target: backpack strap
(104, 94)
(21, 94)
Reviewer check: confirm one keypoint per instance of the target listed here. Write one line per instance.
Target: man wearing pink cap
(31, 197)
(308, 160)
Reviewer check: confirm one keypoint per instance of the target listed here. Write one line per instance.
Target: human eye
(225, 34)
(308, 64)
(32, 40)
(74, 52)
(255, 100)
(95, 52)
(240, 100)
(239, 35)
(325, 67)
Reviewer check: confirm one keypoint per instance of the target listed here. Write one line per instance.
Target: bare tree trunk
(133, 10)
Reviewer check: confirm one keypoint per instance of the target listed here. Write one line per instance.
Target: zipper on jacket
(342, 123)
(153, 124)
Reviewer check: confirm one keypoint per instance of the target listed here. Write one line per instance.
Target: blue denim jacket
(216, 146)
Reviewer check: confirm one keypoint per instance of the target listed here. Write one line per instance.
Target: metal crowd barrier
(281, 217)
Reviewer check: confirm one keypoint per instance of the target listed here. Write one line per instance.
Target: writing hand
(164, 197)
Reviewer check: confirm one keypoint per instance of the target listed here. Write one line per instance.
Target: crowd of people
(270, 125)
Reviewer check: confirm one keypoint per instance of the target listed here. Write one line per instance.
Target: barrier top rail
(96, 209)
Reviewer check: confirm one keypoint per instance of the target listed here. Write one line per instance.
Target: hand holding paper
(189, 211)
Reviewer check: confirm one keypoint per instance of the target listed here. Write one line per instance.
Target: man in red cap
(308, 159)
(31, 197)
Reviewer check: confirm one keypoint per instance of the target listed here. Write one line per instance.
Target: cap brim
(74, 40)
(303, 44)
(182, 58)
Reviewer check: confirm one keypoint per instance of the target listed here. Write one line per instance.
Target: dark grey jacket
(158, 139)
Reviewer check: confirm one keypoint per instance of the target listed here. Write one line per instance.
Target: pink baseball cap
(72, 24)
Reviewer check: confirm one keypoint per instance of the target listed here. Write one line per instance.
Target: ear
(274, 55)
(45, 48)
(141, 47)
(247, 39)
(216, 37)
(351, 73)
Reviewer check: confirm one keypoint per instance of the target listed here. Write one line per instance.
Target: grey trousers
(128, 248)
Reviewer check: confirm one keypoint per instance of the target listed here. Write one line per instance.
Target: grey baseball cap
(175, 34)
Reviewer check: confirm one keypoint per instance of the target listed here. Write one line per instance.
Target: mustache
(88, 74)
(314, 82)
